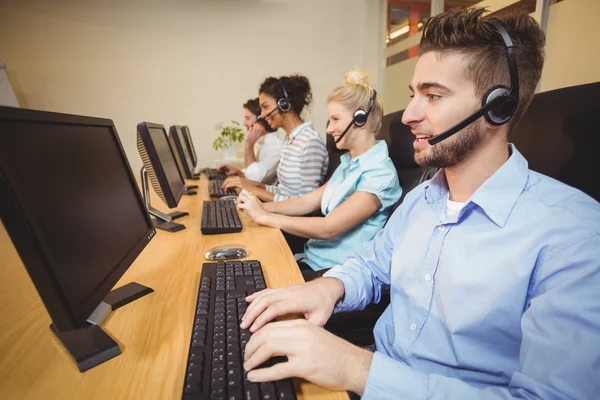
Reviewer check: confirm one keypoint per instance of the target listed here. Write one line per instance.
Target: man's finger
(277, 372)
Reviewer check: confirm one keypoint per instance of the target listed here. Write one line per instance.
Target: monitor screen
(167, 159)
(80, 199)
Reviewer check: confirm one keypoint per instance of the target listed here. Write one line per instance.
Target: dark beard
(452, 150)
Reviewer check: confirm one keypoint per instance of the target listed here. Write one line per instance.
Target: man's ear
(497, 129)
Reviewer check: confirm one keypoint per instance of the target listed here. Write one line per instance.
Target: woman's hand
(237, 182)
(252, 205)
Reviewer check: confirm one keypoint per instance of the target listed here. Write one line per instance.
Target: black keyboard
(214, 174)
(214, 366)
(215, 189)
(220, 216)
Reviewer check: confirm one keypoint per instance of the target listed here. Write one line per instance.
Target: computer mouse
(227, 252)
(232, 197)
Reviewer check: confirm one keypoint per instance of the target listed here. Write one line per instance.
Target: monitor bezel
(187, 135)
(172, 199)
(188, 170)
(30, 242)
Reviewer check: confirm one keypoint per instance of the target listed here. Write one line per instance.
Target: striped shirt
(303, 164)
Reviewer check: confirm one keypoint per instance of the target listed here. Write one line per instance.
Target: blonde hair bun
(357, 77)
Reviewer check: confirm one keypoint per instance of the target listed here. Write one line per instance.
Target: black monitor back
(71, 206)
(559, 136)
(190, 144)
(182, 154)
(159, 161)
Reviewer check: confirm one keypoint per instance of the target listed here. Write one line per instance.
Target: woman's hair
(356, 94)
(253, 106)
(297, 88)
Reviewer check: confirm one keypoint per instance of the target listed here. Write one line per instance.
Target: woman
(304, 159)
(262, 147)
(359, 197)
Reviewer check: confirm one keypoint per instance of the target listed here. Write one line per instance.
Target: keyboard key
(268, 391)
(285, 390)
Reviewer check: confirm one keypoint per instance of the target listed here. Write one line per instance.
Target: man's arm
(560, 348)
(368, 271)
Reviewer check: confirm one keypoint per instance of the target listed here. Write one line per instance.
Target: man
(494, 269)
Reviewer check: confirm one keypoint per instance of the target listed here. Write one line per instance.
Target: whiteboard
(7, 94)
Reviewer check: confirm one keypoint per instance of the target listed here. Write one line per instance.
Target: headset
(499, 103)
(360, 116)
(283, 103)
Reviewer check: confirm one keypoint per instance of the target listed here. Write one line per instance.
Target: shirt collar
(497, 195)
(371, 158)
(296, 131)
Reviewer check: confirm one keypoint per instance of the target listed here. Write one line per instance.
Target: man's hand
(315, 300)
(229, 170)
(313, 354)
(254, 133)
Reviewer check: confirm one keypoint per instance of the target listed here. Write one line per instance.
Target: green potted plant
(229, 135)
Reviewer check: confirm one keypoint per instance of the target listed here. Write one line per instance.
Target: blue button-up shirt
(500, 301)
(371, 172)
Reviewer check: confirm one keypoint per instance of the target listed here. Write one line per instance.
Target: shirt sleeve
(267, 160)
(383, 183)
(365, 274)
(560, 347)
(314, 160)
(255, 172)
(273, 189)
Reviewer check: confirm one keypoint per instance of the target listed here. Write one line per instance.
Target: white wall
(180, 61)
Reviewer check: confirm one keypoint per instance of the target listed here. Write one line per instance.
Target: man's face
(249, 118)
(443, 97)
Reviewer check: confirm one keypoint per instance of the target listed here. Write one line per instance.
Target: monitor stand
(188, 190)
(90, 345)
(162, 220)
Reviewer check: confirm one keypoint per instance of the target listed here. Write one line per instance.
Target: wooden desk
(153, 332)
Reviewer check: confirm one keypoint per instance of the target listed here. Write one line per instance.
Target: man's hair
(466, 31)
(253, 106)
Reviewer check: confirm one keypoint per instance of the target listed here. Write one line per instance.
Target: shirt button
(442, 228)
(427, 277)
(413, 327)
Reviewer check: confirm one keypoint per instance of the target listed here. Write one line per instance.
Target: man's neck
(290, 123)
(467, 176)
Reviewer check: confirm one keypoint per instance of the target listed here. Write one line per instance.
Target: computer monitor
(72, 208)
(189, 143)
(160, 166)
(181, 151)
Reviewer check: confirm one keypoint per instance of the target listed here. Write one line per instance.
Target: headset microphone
(360, 116)
(499, 103)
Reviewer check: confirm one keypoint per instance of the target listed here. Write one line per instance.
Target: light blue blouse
(371, 172)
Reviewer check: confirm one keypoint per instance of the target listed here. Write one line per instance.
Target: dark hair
(296, 86)
(253, 106)
(465, 31)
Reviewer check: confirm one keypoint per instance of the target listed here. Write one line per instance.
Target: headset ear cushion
(501, 114)
(360, 117)
(283, 104)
